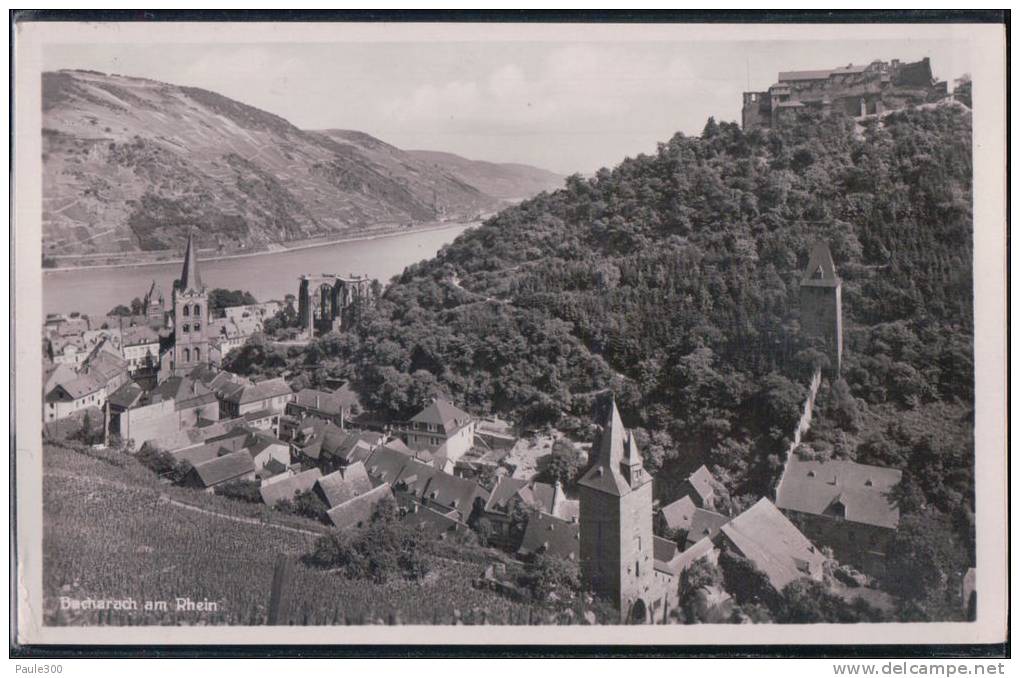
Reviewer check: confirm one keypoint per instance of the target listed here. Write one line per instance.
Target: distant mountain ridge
(131, 164)
(506, 180)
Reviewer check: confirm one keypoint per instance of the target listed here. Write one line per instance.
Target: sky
(564, 106)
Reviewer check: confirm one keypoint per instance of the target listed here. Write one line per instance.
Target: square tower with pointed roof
(617, 548)
(821, 304)
(191, 316)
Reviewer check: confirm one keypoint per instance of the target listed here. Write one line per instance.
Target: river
(94, 291)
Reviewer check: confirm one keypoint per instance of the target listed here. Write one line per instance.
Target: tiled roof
(273, 493)
(503, 493)
(80, 387)
(138, 335)
(443, 413)
(820, 270)
(864, 491)
(356, 512)
(250, 393)
(319, 400)
(704, 523)
(678, 514)
(614, 445)
(704, 548)
(227, 467)
(703, 484)
(385, 464)
(763, 535)
(126, 396)
(341, 486)
(452, 492)
(551, 535)
(424, 517)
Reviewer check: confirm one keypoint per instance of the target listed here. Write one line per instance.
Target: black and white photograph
(338, 328)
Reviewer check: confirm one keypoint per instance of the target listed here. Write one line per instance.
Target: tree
(240, 490)
(220, 298)
(807, 601)
(924, 562)
(137, 306)
(547, 575)
(119, 310)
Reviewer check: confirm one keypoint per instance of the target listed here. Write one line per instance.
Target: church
(194, 338)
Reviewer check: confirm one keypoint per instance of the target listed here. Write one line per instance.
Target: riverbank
(375, 235)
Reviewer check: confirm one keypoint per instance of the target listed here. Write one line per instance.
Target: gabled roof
(614, 449)
(444, 414)
(863, 490)
(275, 492)
(356, 512)
(126, 396)
(703, 524)
(228, 467)
(663, 550)
(703, 548)
(341, 486)
(323, 401)
(452, 492)
(258, 441)
(250, 393)
(820, 270)
(138, 335)
(185, 391)
(424, 517)
(218, 447)
(414, 477)
(551, 535)
(763, 535)
(703, 485)
(80, 387)
(385, 464)
(678, 514)
(503, 493)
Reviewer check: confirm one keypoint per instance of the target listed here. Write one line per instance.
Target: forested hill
(673, 279)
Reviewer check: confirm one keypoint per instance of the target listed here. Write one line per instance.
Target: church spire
(189, 273)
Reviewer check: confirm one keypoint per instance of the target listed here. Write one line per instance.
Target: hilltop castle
(854, 90)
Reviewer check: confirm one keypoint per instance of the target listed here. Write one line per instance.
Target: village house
(237, 399)
(509, 493)
(694, 523)
(763, 535)
(546, 534)
(140, 345)
(68, 398)
(179, 403)
(332, 406)
(229, 467)
(289, 487)
(357, 511)
(844, 505)
(701, 487)
(439, 490)
(442, 428)
(343, 485)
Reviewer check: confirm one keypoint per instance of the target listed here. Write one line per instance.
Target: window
(185, 311)
(198, 310)
(198, 354)
(187, 355)
(185, 328)
(198, 326)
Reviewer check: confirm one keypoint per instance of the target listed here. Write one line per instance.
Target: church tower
(191, 316)
(821, 304)
(616, 540)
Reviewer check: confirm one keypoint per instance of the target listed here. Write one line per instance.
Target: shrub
(241, 490)
(381, 552)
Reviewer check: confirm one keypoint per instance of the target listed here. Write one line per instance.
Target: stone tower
(821, 305)
(616, 547)
(191, 316)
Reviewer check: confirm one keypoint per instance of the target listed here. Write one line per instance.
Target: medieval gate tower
(616, 541)
(821, 304)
